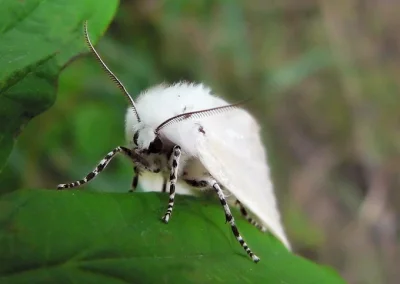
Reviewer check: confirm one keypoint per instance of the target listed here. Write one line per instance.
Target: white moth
(185, 134)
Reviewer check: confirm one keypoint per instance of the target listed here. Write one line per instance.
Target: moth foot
(62, 186)
(165, 218)
(255, 258)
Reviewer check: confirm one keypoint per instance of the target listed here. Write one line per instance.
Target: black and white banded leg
(135, 180)
(100, 167)
(249, 219)
(174, 160)
(231, 220)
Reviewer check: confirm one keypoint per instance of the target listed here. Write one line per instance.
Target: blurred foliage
(325, 76)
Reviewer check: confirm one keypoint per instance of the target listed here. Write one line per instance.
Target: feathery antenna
(111, 74)
(198, 114)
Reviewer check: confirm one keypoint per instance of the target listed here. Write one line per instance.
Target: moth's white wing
(232, 151)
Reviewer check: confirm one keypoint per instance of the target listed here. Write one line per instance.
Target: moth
(186, 134)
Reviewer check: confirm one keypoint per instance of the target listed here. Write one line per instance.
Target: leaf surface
(81, 237)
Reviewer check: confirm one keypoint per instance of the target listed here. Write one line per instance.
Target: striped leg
(135, 180)
(101, 166)
(248, 218)
(231, 220)
(176, 153)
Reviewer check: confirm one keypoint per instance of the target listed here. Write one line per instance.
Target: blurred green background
(325, 77)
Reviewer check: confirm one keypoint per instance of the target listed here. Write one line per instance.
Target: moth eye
(135, 137)
(156, 146)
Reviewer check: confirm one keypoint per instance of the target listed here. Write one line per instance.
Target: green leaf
(79, 237)
(37, 39)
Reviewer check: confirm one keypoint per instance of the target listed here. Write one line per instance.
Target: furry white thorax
(162, 102)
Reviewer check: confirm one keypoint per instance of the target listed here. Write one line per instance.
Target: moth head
(147, 140)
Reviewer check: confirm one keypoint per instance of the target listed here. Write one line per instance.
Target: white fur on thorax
(162, 102)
